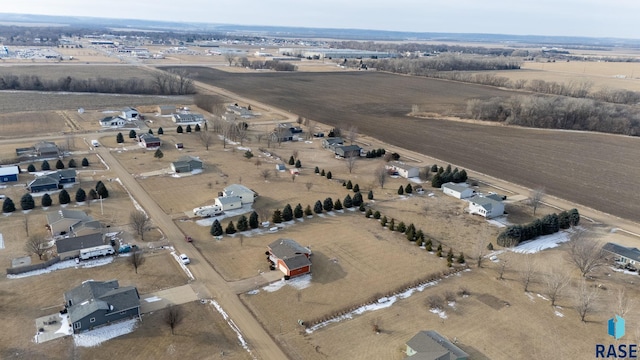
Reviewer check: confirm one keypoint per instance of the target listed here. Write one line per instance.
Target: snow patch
(542, 243)
(300, 282)
(153, 299)
(1, 242)
(542, 297)
(441, 313)
(233, 326)
(624, 271)
(135, 203)
(530, 296)
(96, 337)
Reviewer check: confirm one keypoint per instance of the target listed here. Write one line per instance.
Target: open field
(572, 165)
(77, 71)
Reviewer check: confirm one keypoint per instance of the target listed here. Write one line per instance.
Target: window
(122, 312)
(92, 320)
(77, 325)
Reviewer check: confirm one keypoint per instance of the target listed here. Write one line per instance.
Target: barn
(9, 173)
(289, 257)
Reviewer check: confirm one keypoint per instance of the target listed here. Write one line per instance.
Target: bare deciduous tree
(259, 137)
(139, 222)
(479, 247)
(350, 162)
(308, 185)
(585, 300)
(624, 303)
(528, 272)
(206, 138)
(265, 174)
(555, 283)
(230, 58)
(242, 132)
(535, 198)
(502, 267)
(257, 163)
(136, 259)
(352, 134)
(35, 245)
(586, 252)
(172, 316)
(381, 176)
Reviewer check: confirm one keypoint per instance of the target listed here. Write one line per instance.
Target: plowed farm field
(595, 170)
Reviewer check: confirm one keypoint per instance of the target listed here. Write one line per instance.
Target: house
(97, 303)
(404, 170)
(240, 111)
(192, 118)
(288, 126)
(625, 256)
(148, 141)
(52, 181)
(429, 345)
(281, 167)
(289, 257)
(281, 135)
(69, 247)
(227, 203)
(458, 191)
(331, 143)
(166, 109)
(113, 121)
(62, 221)
(130, 113)
(347, 151)
(46, 149)
(9, 173)
(485, 206)
(186, 164)
(246, 195)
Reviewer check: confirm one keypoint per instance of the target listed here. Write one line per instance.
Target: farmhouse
(429, 345)
(52, 181)
(69, 247)
(289, 257)
(130, 113)
(227, 203)
(46, 149)
(246, 195)
(458, 191)
(240, 111)
(404, 170)
(9, 173)
(485, 206)
(281, 135)
(186, 164)
(166, 109)
(113, 121)
(347, 151)
(63, 221)
(624, 256)
(192, 118)
(332, 142)
(96, 303)
(148, 141)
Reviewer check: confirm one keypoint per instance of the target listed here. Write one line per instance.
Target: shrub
(357, 199)
(348, 203)
(392, 224)
(384, 221)
(401, 227)
(119, 138)
(349, 185)
(435, 302)
(298, 164)
(292, 160)
(160, 131)
(243, 223)
(253, 220)
(328, 204)
(400, 190)
(370, 195)
(132, 134)
(8, 206)
(71, 164)
(85, 162)
(307, 211)
(376, 215)
(317, 208)
(356, 188)
(230, 228)
(361, 207)
(322, 173)
(45, 165)
(460, 259)
(287, 213)
(329, 176)
(179, 129)
(93, 194)
(408, 189)
(189, 128)
(81, 195)
(297, 212)
(337, 205)
(368, 213)
(197, 128)
(31, 168)
(316, 170)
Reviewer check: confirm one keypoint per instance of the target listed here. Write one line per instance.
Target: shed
(347, 151)
(290, 257)
(403, 169)
(430, 345)
(246, 195)
(130, 113)
(9, 173)
(166, 109)
(331, 142)
(186, 164)
(281, 167)
(46, 149)
(229, 202)
(458, 191)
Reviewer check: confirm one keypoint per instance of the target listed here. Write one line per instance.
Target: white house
(229, 202)
(624, 256)
(192, 118)
(458, 191)
(130, 113)
(404, 170)
(246, 195)
(485, 206)
(113, 121)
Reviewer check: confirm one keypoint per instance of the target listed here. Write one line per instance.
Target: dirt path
(208, 282)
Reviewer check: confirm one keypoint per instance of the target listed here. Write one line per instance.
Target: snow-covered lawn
(96, 337)
(299, 283)
(624, 271)
(64, 265)
(542, 243)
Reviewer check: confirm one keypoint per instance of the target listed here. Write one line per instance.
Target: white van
(95, 143)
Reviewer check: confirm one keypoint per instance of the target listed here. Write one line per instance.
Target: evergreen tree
(384, 221)
(408, 189)
(574, 217)
(356, 188)
(26, 202)
(298, 164)
(216, 228)
(316, 170)
(348, 203)
(461, 258)
(45, 166)
(46, 200)
(93, 194)
(490, 247)
(357, 199)
(63, 197)
(349, 185)
(287, 213)
(392, 224)
(158, 154)
(102, 190)
(160, 131)
(243, 223)
(370, 195)
(337, 205)
(307, 211)
(401, 227)
(434, 168)
(189, 130)
(463, 175)
(120, 138)
(71, 164)
(400, 190)
(297, 212)
(450, 255)
(292, 161)
(179, 129)
(368, 214)
(277, 216)
(328, 204)
(150, 131)
(81, 195)
(420, 237)
(411, 234)
(132, 134)
(322, 173)
(448, 169)
(8, 206)
(376, 215)
(428, 246)
(361, 207)
(439, 251)
(253, 220)
(230, 229)
(248, 154)
(31, 168)
(329, 176)
(59, 165)
(85, 162)
(197, 128)
(436, 181)
(317, 208)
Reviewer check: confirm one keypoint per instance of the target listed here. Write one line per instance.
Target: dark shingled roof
(431, 345)
(292, 253)
(79, 242)
(627, 252)
(100, 295)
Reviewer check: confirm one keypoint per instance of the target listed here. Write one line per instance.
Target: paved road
(209, 283)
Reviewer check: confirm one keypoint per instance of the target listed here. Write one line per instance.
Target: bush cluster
(548, 224)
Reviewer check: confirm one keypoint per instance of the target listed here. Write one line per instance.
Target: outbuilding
(69, 247)
(166, 109)
(227, 203)
(347, 151)
(149, 141)
(9, 173)
(403, 169)
(458, 191)
(186, 164)
(130, 113)
(246, 195)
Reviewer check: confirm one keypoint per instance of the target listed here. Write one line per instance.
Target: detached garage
(9, 173)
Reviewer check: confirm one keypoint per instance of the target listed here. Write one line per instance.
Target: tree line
(548, 224)
(424, 66)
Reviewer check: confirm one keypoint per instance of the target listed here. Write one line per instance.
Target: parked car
(185, 259)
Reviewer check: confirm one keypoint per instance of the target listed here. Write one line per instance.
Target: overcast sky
(592, 18)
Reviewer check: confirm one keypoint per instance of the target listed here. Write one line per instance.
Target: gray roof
(47, 146)
(347, 148)
(43, 180)
(9, 170)
(79, 242)
(55, 216)
(333, 140)
(188, 117)
(229, 199)
(485, 202)
(402, 165)
(456, 187)
(65, 173)
(109, 119)
(434, 346)
(89, 224)
(283, 248)
(188, 158)
(495, 197)
(148, 138)
(99, 295)
(627, 252)
(237, 189)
